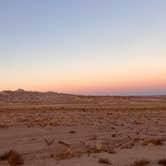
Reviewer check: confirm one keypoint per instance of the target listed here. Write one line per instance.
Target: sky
(101, 47)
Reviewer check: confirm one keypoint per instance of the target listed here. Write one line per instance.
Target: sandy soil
(118, 132)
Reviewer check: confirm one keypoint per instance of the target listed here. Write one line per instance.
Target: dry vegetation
(162, 162)
(157, 142)
(13, 158)
(59, 129)
(140, 163)
(104, 161)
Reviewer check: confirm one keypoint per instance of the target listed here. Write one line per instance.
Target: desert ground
(52, 129)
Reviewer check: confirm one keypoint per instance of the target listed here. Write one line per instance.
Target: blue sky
(83, 46)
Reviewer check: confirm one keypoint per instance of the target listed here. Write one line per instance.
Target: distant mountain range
(22, 96)
(34, 97)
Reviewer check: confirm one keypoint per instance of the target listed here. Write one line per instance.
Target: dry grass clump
(72, 132)
(49, 141)
(3, 126)
(104, 161)
(94, 148)
(162, 162)
(13, 158)
(140, 163)
(97, 146)
(64, 143)
(128, 145)
(157, 142)
(87, 148)
(93, 138)
(4, 156)
(65, 154)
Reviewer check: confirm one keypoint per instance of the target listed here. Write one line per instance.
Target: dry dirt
(82, 131)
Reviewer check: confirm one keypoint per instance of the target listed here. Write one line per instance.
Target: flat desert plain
(51, 129)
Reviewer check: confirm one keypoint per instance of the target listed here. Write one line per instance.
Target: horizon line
(123, 94)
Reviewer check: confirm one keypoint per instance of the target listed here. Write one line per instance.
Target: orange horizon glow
(90, 81)
(103, 84)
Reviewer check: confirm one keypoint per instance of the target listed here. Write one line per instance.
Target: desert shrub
(162, 162)
(156, 142)
(140, 163)
(104, 161)
(13, 158)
